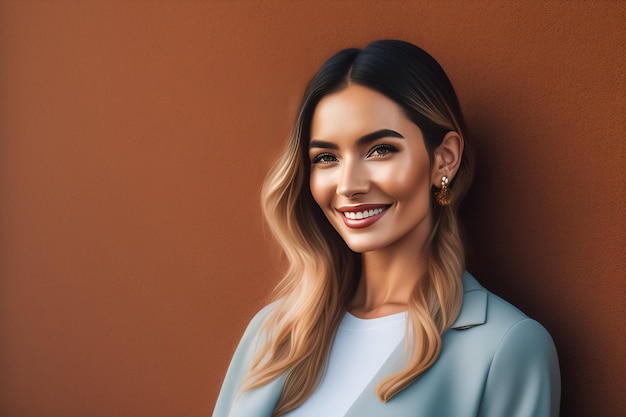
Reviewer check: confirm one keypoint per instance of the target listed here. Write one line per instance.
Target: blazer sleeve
(239, 366)
(524, 378)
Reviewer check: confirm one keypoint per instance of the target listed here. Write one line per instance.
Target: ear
(447, 158)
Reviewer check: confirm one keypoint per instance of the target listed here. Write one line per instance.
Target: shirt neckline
(351, 322)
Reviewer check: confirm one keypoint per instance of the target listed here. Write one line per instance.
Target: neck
(388, 278)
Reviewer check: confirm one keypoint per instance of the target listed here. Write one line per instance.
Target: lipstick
(362, 215)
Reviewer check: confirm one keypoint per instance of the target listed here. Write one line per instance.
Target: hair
(323, 273)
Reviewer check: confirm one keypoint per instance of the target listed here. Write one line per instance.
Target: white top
(360, 348)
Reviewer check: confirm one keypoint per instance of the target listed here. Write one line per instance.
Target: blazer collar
(474, 308)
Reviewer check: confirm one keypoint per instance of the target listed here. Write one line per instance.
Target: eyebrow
(370, 137)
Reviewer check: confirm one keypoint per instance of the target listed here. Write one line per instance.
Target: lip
(361, 223)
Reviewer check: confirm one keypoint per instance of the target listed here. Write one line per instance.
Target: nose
(353, 179)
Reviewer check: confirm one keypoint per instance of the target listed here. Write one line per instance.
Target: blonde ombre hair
(323, 272)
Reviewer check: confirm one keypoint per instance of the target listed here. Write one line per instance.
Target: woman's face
(370, 172)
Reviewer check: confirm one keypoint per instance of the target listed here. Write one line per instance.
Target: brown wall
(134, 137)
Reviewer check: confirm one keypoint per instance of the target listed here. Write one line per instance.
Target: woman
(376, 315)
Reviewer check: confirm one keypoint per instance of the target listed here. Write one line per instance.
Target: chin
(363, 245)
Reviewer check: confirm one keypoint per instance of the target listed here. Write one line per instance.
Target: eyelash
(320, 158)
(385, 149)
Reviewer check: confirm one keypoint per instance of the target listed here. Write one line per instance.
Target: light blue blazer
(494, 362)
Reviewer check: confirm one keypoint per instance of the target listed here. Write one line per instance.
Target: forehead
(354, 111)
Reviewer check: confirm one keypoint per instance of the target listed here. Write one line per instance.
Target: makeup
(362, 215)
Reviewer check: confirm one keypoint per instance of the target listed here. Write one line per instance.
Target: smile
(361, 216)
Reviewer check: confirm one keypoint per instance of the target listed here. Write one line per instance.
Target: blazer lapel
(367, 403)
(474, 307)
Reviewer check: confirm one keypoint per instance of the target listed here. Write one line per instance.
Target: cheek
(407, 181)
(320, 190)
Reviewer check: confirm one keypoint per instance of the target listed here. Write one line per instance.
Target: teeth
(357, 215)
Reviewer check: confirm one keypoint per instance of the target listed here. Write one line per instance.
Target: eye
(381, 151)
(324, 158)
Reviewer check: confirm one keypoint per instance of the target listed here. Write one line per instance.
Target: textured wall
(134, 137)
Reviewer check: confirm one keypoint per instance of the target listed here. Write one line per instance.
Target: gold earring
(444, 196)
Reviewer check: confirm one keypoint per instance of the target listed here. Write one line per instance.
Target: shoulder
(240, 364)
(255, 325)
(498, 327)
(523, 376)
(250, 341)
(481, 308)
(517, 355)
(520, 339)
(259, 318)
(516, 337)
